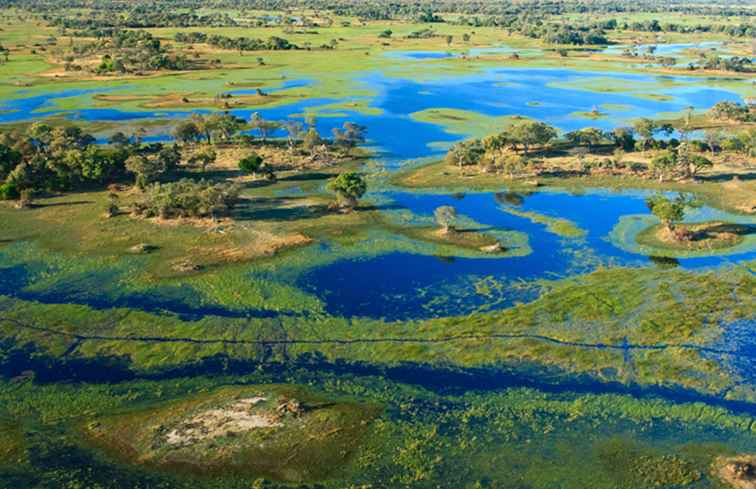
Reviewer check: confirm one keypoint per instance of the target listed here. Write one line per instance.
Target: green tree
(294, 131)
(590, 136)
(624, 137)
(532, 133)
(512, 163)
(349, 187)
(9, 158)
(204, 158)
(617, 157)
(664, 164)
(645, 128)
(146, 170)
(696, 163)
(465, 153)
(226, 125)
(670, 212)
(9, 191)
(252, 164)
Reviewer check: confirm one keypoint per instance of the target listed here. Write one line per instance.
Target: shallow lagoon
(550, 95)
(405, 285)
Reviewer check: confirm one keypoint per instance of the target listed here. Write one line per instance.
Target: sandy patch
(238, 417)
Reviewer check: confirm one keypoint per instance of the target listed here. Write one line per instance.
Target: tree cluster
(240, 44)
(47, 159)
(188, 199)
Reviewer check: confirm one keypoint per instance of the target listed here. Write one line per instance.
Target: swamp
(365, 244)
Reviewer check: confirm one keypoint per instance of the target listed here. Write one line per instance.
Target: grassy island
(716, 235)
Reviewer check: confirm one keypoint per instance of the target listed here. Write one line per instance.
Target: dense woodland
(376, 9)
(536, 19)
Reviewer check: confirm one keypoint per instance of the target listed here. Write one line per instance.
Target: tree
(204, 158)
(730, 111)
(169, 159)
(663, 164)
(713, 138)
(146, 169)
(9, 158)
(446, 217)
(624, 137)
(294, 131)
(670, 212)
(349, 187)
(204, 126)
(532, 133)
(618, 156)
(696, 163)
(747, 140)
(187, 198)
(386, 34)
(590, 136)
(119, 139)
(496, 142)
(251, 164)
(226, 125)
(512, 163)
(266, 128)
(350, 135)
(9, 191)
(645, 128)
(312, 140)
(465, 153)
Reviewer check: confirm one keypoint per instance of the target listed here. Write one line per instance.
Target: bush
(252, 164)
(348, 188)
(9, 191)
(187, 198)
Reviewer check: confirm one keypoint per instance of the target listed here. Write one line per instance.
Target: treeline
(534, 26)
(139, 17)
(125, 51)
(407, 9)
(740, 64)
(47, 159)
(511, 151)
(273, 43)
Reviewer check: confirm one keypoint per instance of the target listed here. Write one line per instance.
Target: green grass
(640, 234)
(559, 226)
(297, 448)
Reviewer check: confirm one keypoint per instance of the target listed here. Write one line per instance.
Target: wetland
(352, 245)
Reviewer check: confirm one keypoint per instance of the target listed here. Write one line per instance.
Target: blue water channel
(405, 285)
(392, 281)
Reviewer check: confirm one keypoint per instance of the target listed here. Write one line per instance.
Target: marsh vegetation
(369, 244)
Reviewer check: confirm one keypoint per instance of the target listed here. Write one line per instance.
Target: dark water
(388, 286)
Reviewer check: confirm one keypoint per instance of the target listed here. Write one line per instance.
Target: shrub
(9, 191)
(187, 198)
